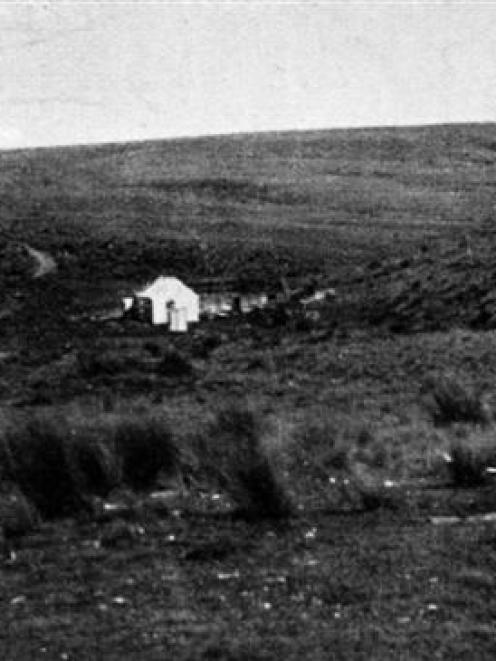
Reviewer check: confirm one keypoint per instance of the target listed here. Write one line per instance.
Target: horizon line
(238, 134)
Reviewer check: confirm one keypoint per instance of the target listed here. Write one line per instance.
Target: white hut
(168, 301)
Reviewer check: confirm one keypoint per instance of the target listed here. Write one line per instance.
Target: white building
(166, 301)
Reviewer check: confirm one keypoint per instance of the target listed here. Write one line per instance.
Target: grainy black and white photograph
(247, 330)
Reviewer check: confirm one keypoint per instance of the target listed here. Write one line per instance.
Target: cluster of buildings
(170, 302)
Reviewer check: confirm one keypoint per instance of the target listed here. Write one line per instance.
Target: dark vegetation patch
(471, 456)
(233, 454)
(59, 462)
(448, 285)
(450, 401)
(468, 465)
(36, 457)
(205, 344)
(145, 447)
(227, 190)
(174, 364)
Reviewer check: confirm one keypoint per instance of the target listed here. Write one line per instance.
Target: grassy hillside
(305, 465)
(320, 200)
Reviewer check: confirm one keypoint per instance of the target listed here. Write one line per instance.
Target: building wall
(223, 304)
(189, 302)
(160, 314)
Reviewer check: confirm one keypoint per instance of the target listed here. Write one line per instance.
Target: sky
(85, 72)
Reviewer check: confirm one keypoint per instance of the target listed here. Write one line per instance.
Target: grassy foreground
(346, 567)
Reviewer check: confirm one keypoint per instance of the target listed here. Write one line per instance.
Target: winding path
(45, 263)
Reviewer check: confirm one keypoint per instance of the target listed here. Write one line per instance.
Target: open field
(353, 413)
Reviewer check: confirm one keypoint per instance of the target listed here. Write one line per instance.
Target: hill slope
(321, 202)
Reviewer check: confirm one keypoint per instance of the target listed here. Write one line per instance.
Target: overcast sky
(79, 72)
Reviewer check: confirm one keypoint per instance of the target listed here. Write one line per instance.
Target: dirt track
(45, 263)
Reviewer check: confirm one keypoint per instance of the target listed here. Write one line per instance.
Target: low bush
(233, 454)
(153, 348)
(449, 401)
(145, 447)
(36, 458)
(203, 346)
(467, 467)
(367, 490)
(92, 462)
(17, 515)
(60, 462)
(174, 364)
(93, 363)
(469, 456)
(324, 443)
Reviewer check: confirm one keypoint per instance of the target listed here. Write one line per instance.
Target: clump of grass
(375, 454)
(204, 346)
(60, 462)
(329, 442)
(234, 455)
(17, 515)
(174, 364)
(367, 490)
(93, 363)
(319, 438)
(145, 447)
(348, 456)
(36, 459)
(469, 457)
(467, 467)
(452, 402)
(153, 348)
(92, 461)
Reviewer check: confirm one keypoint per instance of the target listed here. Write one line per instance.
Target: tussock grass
(18, 516)
(330, 442)
(37, 459)
(60, 462)
(152, 348)
(205, 345)
(471, 453)
(102, 363)
(145, 447)
(355, 465)
(449, 401)
(233, 454)
(468, 466)
(319, 436)
(175, 364)
(91, 459)
(367, 490)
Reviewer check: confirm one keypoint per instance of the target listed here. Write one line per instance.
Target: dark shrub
(17, 515)
(234, 456)
(57, 465)
(469, 462)
(93, 363)
(145, 447)
(204, 346)
(450, 401)
(321, 438)
(38, 463)
(93, 465)
(153, 348)
(366, 489)
(174, 364)
(364, 437)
